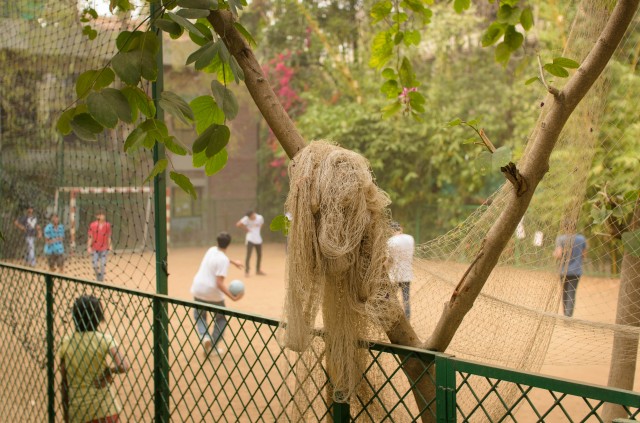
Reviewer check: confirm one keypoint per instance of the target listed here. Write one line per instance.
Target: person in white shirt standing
(209, 287)
(400, 263)
(252, 223)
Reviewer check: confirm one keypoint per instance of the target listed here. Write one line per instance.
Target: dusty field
(198, 381)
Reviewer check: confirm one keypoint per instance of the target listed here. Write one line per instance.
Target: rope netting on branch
(517, 321)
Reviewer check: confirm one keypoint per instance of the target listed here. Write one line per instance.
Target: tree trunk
(625, 345)
(533, 168)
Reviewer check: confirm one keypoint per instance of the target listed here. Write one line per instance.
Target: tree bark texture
(625, 345)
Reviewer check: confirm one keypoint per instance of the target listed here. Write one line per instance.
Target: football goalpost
(128, 209)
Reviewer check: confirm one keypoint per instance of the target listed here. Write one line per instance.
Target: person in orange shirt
(99, 244)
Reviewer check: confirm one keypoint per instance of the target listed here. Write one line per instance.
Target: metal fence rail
(252, 379)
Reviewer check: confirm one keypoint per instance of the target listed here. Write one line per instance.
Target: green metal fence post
(51, 380)
(445, 390)
(160, 317)
(341, 412)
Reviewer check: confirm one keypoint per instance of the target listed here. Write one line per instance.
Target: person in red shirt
(99, 243)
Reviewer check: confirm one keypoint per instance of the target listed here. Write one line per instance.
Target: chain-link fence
(248, 377)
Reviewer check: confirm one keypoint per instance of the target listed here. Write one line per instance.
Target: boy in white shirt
(400, 263)
(252, 223)
(209, 287)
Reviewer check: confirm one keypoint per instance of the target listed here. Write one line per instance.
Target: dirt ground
(264, 296)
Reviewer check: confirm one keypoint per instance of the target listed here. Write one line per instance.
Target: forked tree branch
(534, 167)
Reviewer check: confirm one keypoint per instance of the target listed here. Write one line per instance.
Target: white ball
(236, 287)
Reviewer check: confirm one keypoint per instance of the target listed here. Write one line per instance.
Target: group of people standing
(98, 241)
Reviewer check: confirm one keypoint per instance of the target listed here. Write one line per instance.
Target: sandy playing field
(197, 381)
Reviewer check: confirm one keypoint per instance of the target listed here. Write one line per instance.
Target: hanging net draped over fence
(45, 48)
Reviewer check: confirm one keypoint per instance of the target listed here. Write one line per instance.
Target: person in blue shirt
(54, 244)
(571, 251)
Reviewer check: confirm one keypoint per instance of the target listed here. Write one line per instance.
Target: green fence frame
(465, 390)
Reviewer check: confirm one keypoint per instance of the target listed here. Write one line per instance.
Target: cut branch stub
(514, 176)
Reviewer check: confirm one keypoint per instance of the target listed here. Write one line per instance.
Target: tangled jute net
(517, 321)
(336, 257)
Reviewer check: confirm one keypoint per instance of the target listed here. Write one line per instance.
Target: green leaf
(631, 242)
(532, 80)
(399, 17)
(225, 99)
(556, 70)
(132, 65)
(246, 34)
(455, 122)
(101, 110)
(199, 159)
(104, 78)
(406, 74)
(566, 63)
(85, 82)
(280, 223)
(175, 146)
(196, 55)
(63, 125)
(502, 53)
(397, 39)
(381, 50)
(461, 5)
(216, 163)
(193, 13)
(138, 100)
(174, 104)
(381, 10)
(158, 168)
(412, 38)
(389, 73)
(119, 103)
(391, 109)
(526, 19)
(128, 40)
(89, 32)
(391, 89)
(168, 26)
(512, 38)
(238, 73)
(208, 35)
(471, 140)
(509, 15)
(85, 127)
(206, 112)
(183, 182)
(416, 100)
(198, 4)
(185, 24)
(206, 54)
(493, 34)
(134, 140)
(155, 129)
(212, 140)
(126, 67)
(234, 5)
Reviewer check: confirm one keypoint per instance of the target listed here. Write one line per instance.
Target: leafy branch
(99, 106)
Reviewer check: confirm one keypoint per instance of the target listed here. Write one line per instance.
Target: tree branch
(551, 89)
(534, 166)
(257, 84)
